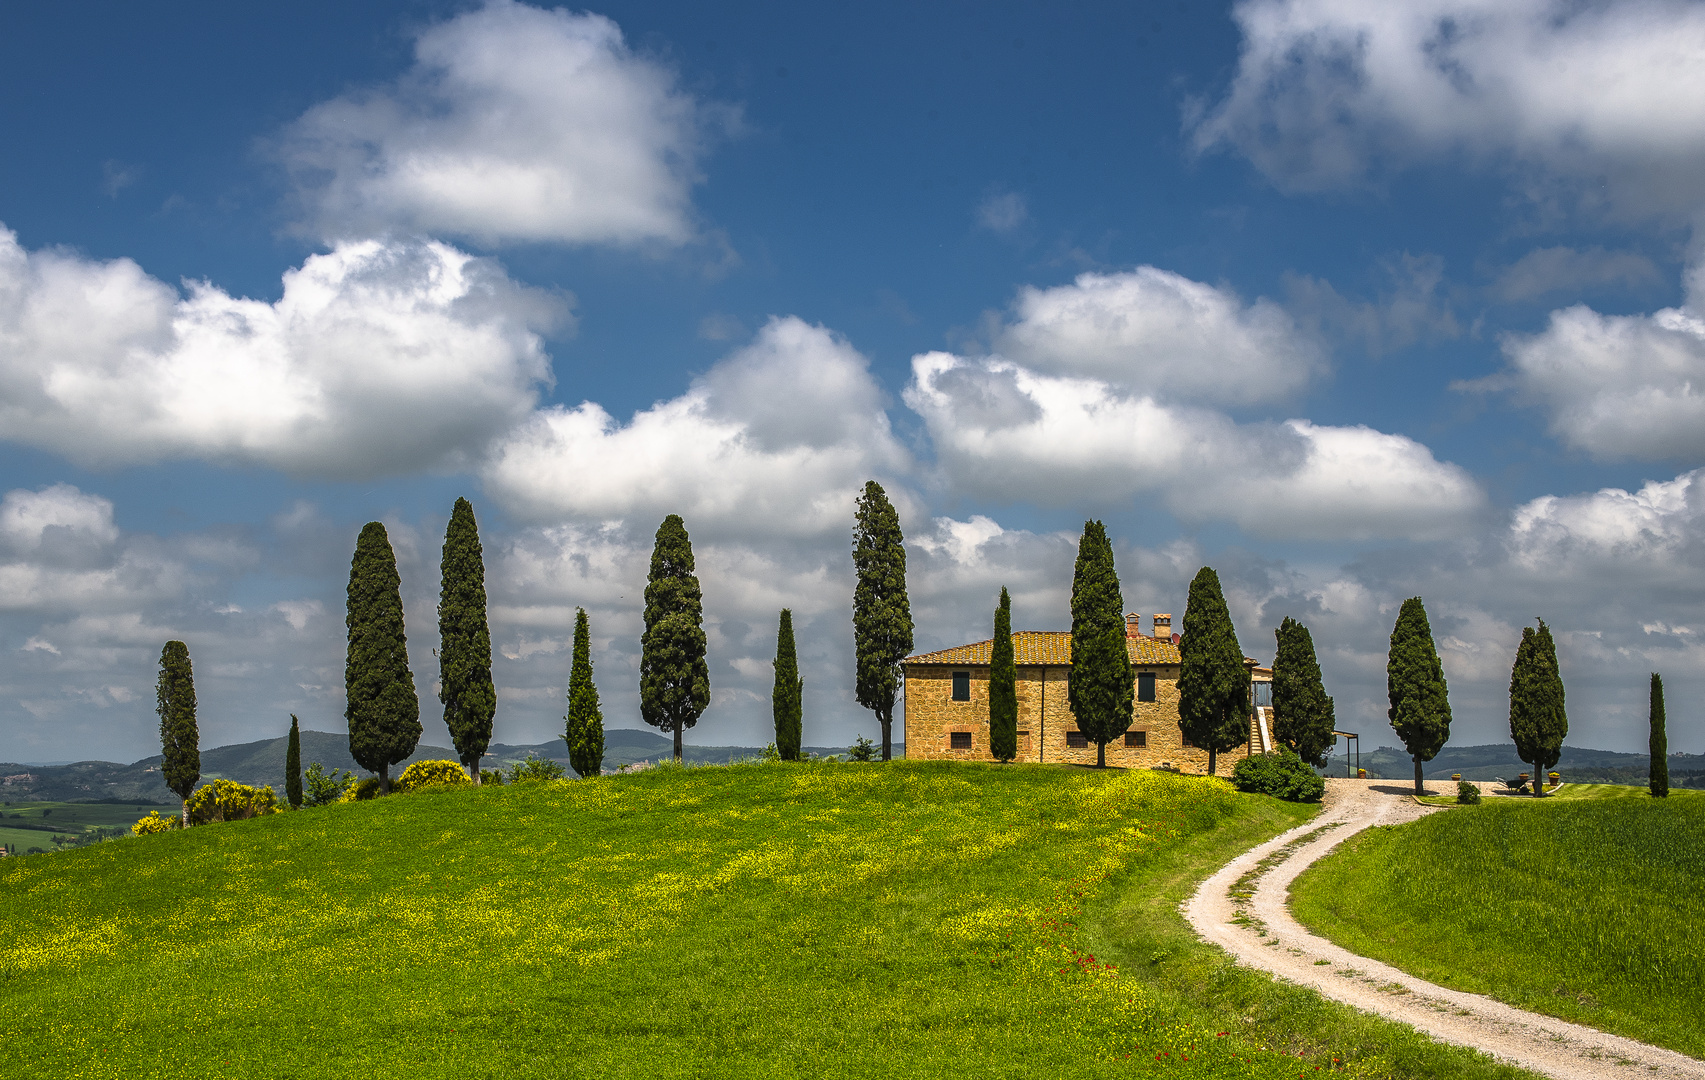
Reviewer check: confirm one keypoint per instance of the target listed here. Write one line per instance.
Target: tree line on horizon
(383, 713)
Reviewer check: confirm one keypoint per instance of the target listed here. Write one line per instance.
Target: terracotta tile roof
(1045, 647)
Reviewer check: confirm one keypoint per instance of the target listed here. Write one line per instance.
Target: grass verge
(1584, 909)
(914, 919)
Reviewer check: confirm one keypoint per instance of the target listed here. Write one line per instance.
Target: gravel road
(1244, 909)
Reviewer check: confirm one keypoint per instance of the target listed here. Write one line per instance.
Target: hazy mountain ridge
(262, 762)
(1493, 760)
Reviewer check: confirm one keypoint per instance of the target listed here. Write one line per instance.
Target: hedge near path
(1243, 909)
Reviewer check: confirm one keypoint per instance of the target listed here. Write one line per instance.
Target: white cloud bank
(379, 357)
(1327, 89)
(780, 435)
(515, 124)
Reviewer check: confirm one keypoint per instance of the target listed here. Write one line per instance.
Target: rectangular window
(1024, 742)
(959, 740)
(1145, 686)
(1188, 744)
(1077, 739)
(1136, 738)
(961, 686)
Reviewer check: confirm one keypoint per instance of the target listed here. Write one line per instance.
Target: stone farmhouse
(947, 704)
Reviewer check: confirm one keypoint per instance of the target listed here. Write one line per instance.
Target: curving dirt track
(1244, 909)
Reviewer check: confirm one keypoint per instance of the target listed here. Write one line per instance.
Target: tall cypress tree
(1415, 685)
(381, 705)
(1660, 741)
(674, 680)
(882, 613)
(585, 719)
(1099, 689)
(787, 700)
(1213, 680)
(179, 741)
(1003, 686)
(1302, 713)
(1538, 722)
(464, 641)
(293, 766)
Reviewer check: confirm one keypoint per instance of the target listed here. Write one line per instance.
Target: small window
(1187, 743)
(1024, 742)
(1136, 738)
(959, 740)
(1077, 739)
(961, 686)
(1145, 686)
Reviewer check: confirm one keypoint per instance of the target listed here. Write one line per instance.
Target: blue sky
(1351, 303)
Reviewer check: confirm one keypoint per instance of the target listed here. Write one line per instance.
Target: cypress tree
(1660, 741)
(1415, 684)
(1102, 678)
(1003, 686)
(464, 641)
(293, 766)
(1302, 713)
(787, 702)
(1538, 722)
(674, 680)
(1213, 680)
(882, 613)
(179, 742)
(585, 719)
(381, 705)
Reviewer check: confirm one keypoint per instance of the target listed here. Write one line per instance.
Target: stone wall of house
(1045, 720)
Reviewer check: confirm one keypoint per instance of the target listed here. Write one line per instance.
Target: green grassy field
(1586, 907)
(913, 919)
(68, 821)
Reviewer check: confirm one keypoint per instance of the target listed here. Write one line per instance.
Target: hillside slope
(914, 919)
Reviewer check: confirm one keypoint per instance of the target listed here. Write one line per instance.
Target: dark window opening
(1188, 743)
(1136, 738)
(959, 740)
(1077, 739)
(1145, 686)
(961, 686)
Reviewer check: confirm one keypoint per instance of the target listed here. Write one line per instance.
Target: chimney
(1133, 626)
(1163, 627)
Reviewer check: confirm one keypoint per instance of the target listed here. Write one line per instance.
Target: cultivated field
(825, 920)
(50, 825)
(1586, 906)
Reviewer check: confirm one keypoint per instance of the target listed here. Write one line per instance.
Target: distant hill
(262, 762)
(1493, 760)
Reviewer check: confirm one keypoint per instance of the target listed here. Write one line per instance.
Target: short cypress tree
(882, 612)
(1538, 722)
(1003, 686)
(674, 680)
(381, 705)
(1302, 713)
(179, 742)
(1213, 680)
(787, 699)
(1102, 678)
(585, 719)
(293, 766)
(1415, 685)
(1660, 741)
(464, 641)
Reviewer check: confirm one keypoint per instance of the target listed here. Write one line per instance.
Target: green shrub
(363, 789)
(862, 750)
(1467, 794)
(227, 800)
(1283, 774)
(322, 788)
(154, 823)
(535, 769)
(431, 774)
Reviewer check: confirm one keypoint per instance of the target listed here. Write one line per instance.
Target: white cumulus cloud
(1004, 431)
(515, 124)
(1327, 90)
(1155, 331)
(782, 434)
(379, 357)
